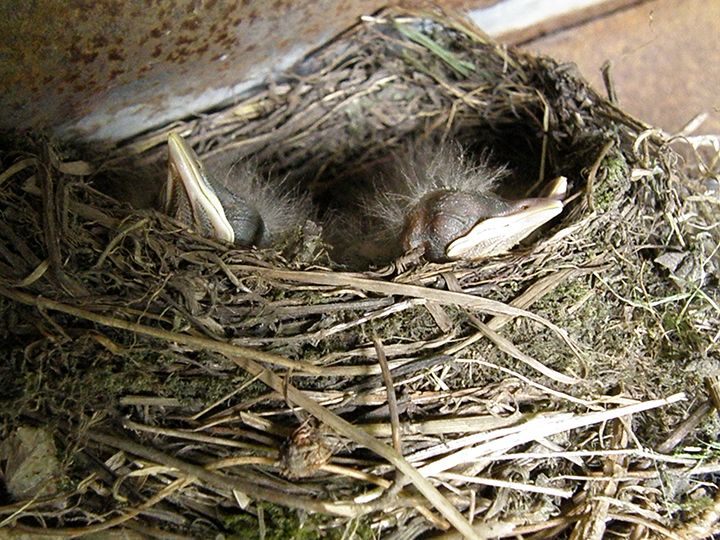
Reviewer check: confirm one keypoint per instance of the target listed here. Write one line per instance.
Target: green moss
(681, 333)
(691, 508)
(614, 182)
(288, 524)
(80, 376)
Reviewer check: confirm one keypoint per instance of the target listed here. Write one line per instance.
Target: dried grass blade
(462, 67)
(541, 427)
(190, 341)
(345, 428)
(340, 279)
(508, 347)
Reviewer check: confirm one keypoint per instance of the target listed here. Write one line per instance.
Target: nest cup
(177, 362)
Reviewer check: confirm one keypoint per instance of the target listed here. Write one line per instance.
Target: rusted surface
(109, 69)
(106, 69)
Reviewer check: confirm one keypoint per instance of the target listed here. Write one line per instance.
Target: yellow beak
(497, 235)
(188, 189)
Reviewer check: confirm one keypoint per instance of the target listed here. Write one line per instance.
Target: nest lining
(140, 346)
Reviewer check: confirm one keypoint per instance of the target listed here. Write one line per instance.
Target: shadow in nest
(426, 194)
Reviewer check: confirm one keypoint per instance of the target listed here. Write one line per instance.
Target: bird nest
(169, 385)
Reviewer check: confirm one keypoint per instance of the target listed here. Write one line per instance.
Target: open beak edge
(185, 163)
(498, 234)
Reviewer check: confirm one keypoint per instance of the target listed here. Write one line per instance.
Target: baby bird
(439, 203)
(241, 209)
(436, 202)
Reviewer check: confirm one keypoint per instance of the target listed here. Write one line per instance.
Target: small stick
(392, 400)
(50, 227)
(606, 70)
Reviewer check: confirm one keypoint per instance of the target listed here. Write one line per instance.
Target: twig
(508, 347)
(220, 481)
(49, 216)
(128, 514)
(392, 401)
